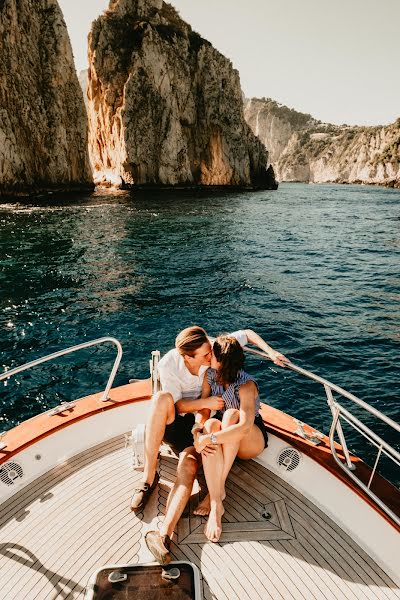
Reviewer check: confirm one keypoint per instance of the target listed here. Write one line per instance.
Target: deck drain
(289, 459)
(10, 472)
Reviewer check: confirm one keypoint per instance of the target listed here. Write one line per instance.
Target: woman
(237, 430)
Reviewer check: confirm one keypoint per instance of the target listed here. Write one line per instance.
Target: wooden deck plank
(29, 493)
(216, 579)
(47, 529)
(270, 578)
(76, 514)
(252, 507)
(63, 496)
(50, 533)
(40, 494)
(351, 551)
(122, 552)
(76, 541)
(319, 553)
(245, 571)
(332, 552)
(272, 562)
(221, 570)
(299, 554)
(234, 510)
(298, 576)
(316, 574)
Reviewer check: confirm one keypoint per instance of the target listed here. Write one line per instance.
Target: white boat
(305, 520)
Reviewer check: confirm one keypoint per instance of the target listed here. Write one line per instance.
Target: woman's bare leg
(213, 467)
(230, 449)
(248, 447)
(231, 416)
(252, 444)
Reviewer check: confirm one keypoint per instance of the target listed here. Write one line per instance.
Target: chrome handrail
(55, 355)
(338, 411)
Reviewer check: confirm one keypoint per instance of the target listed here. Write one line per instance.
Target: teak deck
(55, 532)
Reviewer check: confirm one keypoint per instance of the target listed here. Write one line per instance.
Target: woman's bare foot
(203, 508)
(213, 528)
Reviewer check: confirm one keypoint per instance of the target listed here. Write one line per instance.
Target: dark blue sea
(314, 269)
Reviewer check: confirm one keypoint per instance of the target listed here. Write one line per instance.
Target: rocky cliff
(165, 107)
(304, 149)
(43, 124)
(83, 82)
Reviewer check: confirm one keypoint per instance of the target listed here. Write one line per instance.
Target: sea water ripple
(313, 268)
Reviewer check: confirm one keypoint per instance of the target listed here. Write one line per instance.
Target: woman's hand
(200, 445)
(278, 358)
(213, 403)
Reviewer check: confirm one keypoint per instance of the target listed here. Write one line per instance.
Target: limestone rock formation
(304, 149)
(165, 107)
(43, 123)
(83, 82)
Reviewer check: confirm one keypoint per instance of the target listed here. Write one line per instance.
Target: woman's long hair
(229, 353)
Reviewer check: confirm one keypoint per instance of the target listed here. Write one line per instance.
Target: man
(172, 418)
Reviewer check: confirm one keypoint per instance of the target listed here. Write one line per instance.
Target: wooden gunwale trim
(37, 428)
(283, 426)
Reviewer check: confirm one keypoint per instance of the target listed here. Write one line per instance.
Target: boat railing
(340, 412)
(65, 405)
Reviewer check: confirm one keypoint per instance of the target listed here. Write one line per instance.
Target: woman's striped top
(230, 395)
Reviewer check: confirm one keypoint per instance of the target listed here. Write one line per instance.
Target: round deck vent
(289, 459)
(10, 472)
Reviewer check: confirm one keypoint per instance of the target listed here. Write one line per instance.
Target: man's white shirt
(176, 378)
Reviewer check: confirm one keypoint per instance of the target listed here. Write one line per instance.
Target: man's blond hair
(190, 339)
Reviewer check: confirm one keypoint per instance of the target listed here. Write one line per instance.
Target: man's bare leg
(162, 414)
(179, 496)
(158, 542)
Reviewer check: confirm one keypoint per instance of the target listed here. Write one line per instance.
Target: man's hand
(214, 403)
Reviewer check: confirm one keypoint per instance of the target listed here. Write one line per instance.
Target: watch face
(213, 438)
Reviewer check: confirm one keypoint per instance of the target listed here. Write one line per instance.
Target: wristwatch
(213, 439)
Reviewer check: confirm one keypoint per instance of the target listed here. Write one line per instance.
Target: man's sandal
(159, 546)
(143, 493)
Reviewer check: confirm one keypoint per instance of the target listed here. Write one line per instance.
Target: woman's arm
(276, 357)
(248, 394)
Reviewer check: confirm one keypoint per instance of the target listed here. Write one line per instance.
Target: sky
(338, 61)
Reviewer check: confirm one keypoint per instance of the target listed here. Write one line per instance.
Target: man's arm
(190, 406)
(170, 383)
(204, 413)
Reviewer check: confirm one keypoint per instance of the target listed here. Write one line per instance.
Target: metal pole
(334, 410)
